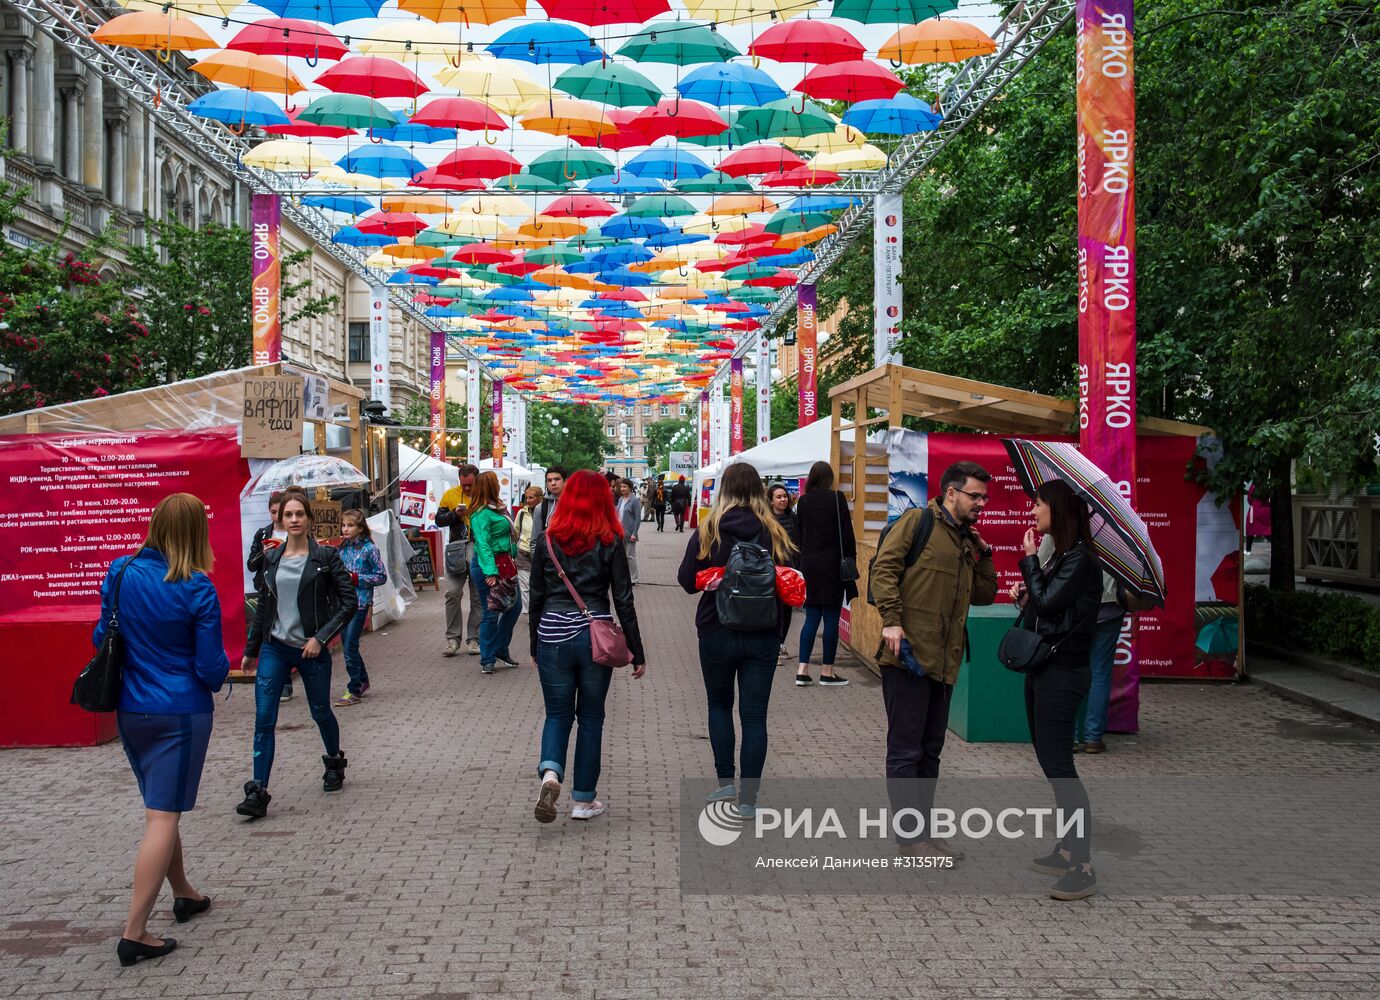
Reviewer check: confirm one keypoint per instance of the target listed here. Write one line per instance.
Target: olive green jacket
(930, 600)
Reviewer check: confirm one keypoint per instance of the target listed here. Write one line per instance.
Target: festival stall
(787, 457)
(1198, 538)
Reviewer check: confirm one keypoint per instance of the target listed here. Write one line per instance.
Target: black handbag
(99, 685)
(1026, 651)
(848, 565)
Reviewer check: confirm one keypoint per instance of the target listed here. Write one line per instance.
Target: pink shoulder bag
(607, 643)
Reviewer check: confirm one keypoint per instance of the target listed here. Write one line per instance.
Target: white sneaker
(588, 810)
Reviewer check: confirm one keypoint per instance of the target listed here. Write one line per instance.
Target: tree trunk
(1282, 528)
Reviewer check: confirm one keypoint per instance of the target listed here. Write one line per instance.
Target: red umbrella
(673, 117)
(307, 130)
(372, 76)
(802, 176)
(434, 180)
(806, 42)
(600, 12)
(623, 138)
(764, 159)
(479, 162)
(458, 112)
(855, 80)
(392, 224)
(287, 36)
(781, 279)
(581, 206)
(520, 267)
(755, 233)
(481, 253)
(625, 295)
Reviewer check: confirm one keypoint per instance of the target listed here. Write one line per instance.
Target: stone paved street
(427, 878)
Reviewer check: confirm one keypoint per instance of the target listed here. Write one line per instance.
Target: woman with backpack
(824, 531)
(579, 569)
(494, 572)
(739, 623)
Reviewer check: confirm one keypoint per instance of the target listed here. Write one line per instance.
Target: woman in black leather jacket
(307, 597)
(1060, 598)
(586, 538)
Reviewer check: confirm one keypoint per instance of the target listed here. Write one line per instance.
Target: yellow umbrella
(843, 137)
(418, 204)
(741, 204)
(797, 240)
(725, 224)
(147, 30)
(936, 41)
(286, 156)
(465, 11)
(566, 116)
(234, 68)
(680, 291)
(748, 11)
(469, 224)
(333, 174)
(386, 260)
(409, 251)
(550, 227)
(209, 8)
(867, 157)
(500, 85)
(493, 204)
(409, 40)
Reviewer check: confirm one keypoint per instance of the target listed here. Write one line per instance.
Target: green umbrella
(552, 256)
(785, 222)
(779, 119)
(680, 43)
(348, 111)
(734, 135)
(753, 295)
(436, 238)
(573, 164)
(896, 12)
(660, 206)
(526, 181)
(457, 292)
(745, 271)
(590, 239)
(609, 83)
(490, 273)
(716, 181)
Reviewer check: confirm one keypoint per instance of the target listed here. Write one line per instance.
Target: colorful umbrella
(466, 11)
(891, 11)
(245, 69)
(761, 159)
(238, 108)
(154, 32)
(666, 163)
(679, 43)
(307, 130)
(381, 161)
(676, 118)
(783, 118)
(349, 204)
(801, 177)
(411, 133)
(580, 206)
(856, 80)
(937, 41)
(722, 84)
(806, 42)
(286, 156)
(459, 113)
(348, 111)
(1219, 637)
(609, 83)
(372, 76)
(713, 182)
(901, 115)
(479, 162)
(327, 11)
(560, 165)
(864, 158)
(1119, 535)
(565, 116)
(843, 138)
(546, 42)
(286, 36)
(596, 13)
(411, 41)
(434, 180)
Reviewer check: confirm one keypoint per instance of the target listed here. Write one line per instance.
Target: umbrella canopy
(806, 176)
(891, 11)
(381, 161)
(372, 76)
(286, 156)
(479, 162)
(1119, 535)
(565, 116)
(806, 42)
(676, 118)
(237, 107)
(856, 80)
(865, 157)
(306, 471)
(411, 40)
(348, 203)
(411, 133)
(546, 42)
(937, 41)
(392, 224)
(465, 11)
(288, 36)
(762, 159)
(307, 130)
(245, 69)
(348, 111)
(580, 206)
(459, 113)
(327, 11)
(679, 43)
(147, 30)
(779, 119)
(722, 84)
(1219, 637)
(596, 13)
(715, 181)
(604, 83)
(901, 115)
(666, 163)
(558, 165)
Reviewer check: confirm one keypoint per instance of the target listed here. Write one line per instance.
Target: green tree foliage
(666, 436)
(566, 435)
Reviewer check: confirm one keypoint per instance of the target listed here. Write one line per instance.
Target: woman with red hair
(584, 541)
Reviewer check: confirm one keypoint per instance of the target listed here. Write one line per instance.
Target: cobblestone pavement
(428, 879)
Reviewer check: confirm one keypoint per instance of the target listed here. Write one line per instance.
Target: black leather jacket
(256, 555)
(326, 597)
(593, 574)
(1064, 597)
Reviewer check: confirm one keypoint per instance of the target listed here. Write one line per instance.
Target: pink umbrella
(287, 36)
(581, 206)
(458, 112)
(855, 80)
(372, 76)
(678, 118)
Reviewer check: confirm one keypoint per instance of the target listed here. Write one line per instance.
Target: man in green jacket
(924, 609)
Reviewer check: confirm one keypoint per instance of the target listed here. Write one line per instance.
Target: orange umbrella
(409, 251)
(567, 116)
(466, 11)
(154, 31)
(417, 204)
(562, 279)
(936, 41)
(741, 204)
(252, 72)
(548, 227)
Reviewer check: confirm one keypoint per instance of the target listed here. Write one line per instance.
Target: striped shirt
(562, 626)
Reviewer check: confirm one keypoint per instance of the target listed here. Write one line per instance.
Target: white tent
(787, 457)
(415, 465)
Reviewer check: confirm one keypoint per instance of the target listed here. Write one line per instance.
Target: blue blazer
(174, 657)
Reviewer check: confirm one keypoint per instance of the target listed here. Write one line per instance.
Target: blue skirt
(166, 753)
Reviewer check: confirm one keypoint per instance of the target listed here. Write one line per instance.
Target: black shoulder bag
(848, 566)
(1026, 651)
(98, 686)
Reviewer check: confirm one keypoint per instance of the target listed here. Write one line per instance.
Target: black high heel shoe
(130, 952)
(185, 908)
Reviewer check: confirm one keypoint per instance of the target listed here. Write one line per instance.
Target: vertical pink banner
(1106, 273)
(438, 395)
(266, 259)
(704, 429)
(807, 349)
(735, 411)
(497, 451)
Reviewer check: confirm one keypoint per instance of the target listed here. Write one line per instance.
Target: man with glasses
(923, 597)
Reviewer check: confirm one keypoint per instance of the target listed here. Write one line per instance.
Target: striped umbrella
(1119, 535)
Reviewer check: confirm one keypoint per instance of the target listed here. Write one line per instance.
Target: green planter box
(988, 704)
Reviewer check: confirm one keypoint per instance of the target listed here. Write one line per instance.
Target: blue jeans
(496, 627)
(573, 687)
(814, 614)
(750, 659)
(1092, 722)
(354, 663)
(276, 661)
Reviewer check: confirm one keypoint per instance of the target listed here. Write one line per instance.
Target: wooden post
(859, 459)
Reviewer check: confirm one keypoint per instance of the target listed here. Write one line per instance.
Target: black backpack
(917, 545)
(746, 599)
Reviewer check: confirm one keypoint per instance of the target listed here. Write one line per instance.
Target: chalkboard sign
(326, 519)
(419, 563)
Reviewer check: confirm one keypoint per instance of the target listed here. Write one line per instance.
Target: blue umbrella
(626, 184)
(546, 42)
(327, 11)
(404, 278)
(351, 237)
(721, 84)
(623, 227)
(666, 164)
(406, 132)
(675, 238)
(822, 203)
(899, 115)
(513, 294)
(351, 204)
(381, 161)
(239, 107)
(626, 253)
(622, 276)
(793, 259)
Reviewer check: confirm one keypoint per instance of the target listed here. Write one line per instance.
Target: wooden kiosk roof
(913, 392)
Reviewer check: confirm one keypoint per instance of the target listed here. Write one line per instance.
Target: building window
(359, 343)
(665, 411)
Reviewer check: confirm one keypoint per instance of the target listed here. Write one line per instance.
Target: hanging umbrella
(459, 113)
(722, 84)
(479, 162)
(349, 204)
(624, 184)
(891, 11)
(864, 158)
(748, 11)
(244, 69)
(392, 224)
(679, 43)
(802, 177)
(1119, 535)
(560, 165)
(666, 163)
(286, 36)
(372, 76)
(348, 111)
(856, 80)
(492, 204)
(609, 83)
(307, 130)
(285, 156)
(565, 116)
(238, 108)
(337, 177)
(937, 41)
(806, 42)
(901, 115)
(794, 222)
(326, 11)
(154, 32)
(619, 138)
(525, 181)
(411, 132)
(715, 181)
(432, 179)
(842, 138)
(597, 13)
(760, 159)
(676, 118)
(581, 206)
(740, 204)
(659, 206)
(411, 41)
(782, 118)
(381, 161)
(727, 139)
(546, 42)
(503, 86)
(480, 253)
(465, 11)
(418, 204)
